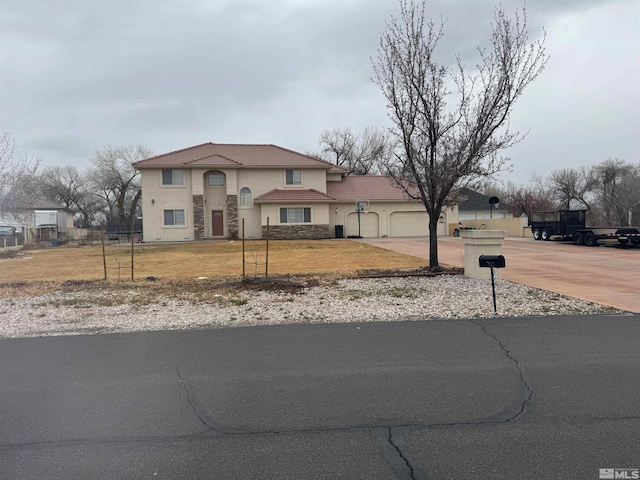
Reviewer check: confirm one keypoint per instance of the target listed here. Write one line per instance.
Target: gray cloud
(76, 75)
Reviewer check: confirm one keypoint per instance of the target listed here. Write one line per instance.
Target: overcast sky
(76, 75)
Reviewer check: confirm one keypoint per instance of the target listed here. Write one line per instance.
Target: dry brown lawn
(203, 259)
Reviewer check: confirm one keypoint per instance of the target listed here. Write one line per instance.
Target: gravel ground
(349, 300)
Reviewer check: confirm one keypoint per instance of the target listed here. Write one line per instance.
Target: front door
(217, 223)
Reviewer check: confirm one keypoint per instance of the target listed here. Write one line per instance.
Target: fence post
(104, 255)
(243, 251)
(266, 266)
(132, 234)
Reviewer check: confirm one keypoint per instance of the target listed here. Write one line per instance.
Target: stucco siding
(252, 222)
(262, 181)
(156, 198)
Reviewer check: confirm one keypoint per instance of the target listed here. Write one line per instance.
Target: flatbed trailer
(571, 225)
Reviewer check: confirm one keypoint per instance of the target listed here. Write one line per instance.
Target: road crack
(395, 452)
(206, 421)
(527, 402)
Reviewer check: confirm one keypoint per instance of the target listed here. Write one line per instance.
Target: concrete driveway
(608, 275)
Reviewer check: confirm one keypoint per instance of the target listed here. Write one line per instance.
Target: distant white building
(476, 206)
(39, 213)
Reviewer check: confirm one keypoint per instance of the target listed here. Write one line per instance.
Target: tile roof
(366, 187)
(236, 156)
(217, 160)
(310, 195)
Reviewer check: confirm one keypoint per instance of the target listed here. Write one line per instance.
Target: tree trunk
(134, 205)
(433, 241)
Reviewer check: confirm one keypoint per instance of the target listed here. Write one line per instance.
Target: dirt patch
(279, 284)
(206, 290)
(296, 284)
(9, 254)
(418, 272)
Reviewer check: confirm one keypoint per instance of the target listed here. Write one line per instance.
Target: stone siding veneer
(232, 216)
(294, 232)
(198, 217)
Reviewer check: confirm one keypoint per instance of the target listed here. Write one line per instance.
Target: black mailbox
(494, 261)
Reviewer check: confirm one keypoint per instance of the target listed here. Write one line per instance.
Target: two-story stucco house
(211, 190)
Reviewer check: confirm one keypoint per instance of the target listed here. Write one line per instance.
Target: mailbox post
(492, 261)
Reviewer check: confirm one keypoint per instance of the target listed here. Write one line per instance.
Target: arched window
(246, 199)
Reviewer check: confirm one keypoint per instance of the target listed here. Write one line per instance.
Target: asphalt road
(528, 398)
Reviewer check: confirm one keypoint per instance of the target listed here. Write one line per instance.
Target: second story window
(216, 180)
(293, 177)
(172, 177)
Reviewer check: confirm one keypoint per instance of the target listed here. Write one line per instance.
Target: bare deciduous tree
(115, 180)
(619, 190)
(72, 189)
(572, 187)
(62, 185)
(17, 179)
(447, 140)
(523, 199)
(361, 153)
(629, 190)
(90, 209)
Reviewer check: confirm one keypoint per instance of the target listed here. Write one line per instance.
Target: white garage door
(369, 225)
(412, 224)
(409, 224)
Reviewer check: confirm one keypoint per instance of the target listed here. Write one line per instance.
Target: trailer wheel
(590, 239)
(623, 241)
(544, 235)
(578, 238)
(635, 241)
(536, 234)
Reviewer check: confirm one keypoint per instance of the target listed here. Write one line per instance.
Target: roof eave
(301, 200)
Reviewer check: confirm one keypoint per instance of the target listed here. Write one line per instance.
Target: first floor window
(174, 217)
(295, 215)
(294, 177)
(172, 177)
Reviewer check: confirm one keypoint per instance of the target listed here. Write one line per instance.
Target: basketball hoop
(362, 205)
